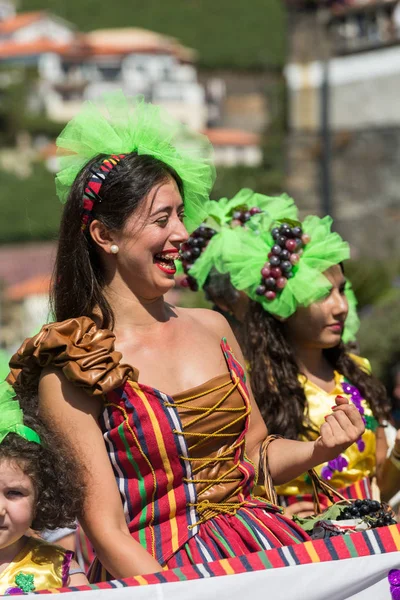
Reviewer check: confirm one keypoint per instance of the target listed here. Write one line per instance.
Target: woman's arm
(74, 414)
(287, 459)
(381, 454)
(76, 579)
(387, 470)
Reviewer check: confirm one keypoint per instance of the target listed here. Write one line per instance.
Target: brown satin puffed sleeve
(84, 353)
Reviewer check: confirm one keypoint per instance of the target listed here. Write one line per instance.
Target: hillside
(225, 33)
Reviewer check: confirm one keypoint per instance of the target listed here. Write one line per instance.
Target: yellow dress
(360, 464)
(38, 566)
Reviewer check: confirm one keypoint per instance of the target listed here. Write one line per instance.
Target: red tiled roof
(12, 48)
(125, 40)
(38, 285)
(80, 49)
(19, 21)
(101, 42)
(232, 137)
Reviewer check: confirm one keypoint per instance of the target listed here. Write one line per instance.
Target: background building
(344, 62)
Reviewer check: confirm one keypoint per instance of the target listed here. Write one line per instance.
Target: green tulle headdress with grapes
(246, 210)
(282, 280)
(118, 125)
(269, 254)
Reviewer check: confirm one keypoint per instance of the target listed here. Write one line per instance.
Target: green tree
(29, 207)
(226, 33)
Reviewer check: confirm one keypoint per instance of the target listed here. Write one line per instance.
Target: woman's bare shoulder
(204, 318)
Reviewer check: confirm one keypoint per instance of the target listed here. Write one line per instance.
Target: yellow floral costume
(357, 464)
(38, 566)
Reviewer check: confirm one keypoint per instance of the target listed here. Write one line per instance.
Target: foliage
(4, 368)
(330, 514)
(29, 208)
(226, 34)
(378, 304)
(41, 125)
(371, 279)
(31, 211)
(189, 299)
(17, 82)
(273, 143)
(379, 334)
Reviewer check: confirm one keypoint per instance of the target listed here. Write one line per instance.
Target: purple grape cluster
(191, 250)
(240, 216)
(284, 255)
(376, 514)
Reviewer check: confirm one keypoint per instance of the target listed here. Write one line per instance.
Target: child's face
(17, 498)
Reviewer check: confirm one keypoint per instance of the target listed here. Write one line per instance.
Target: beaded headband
(92, 190)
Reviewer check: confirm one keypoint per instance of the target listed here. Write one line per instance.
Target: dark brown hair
(56, 477)
(274, 377)
(78, 277)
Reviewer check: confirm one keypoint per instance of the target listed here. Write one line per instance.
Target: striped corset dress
(180, 464)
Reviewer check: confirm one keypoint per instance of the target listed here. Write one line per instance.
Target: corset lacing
(206, 509)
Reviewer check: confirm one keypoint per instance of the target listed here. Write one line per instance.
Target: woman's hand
(300, 509)
(341, 429)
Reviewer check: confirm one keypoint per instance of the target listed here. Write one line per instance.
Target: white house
(234, 147)
(76, 66)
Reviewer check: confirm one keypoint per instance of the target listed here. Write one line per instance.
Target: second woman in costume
(293, 330)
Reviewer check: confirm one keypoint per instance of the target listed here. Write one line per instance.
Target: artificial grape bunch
(372, 511)
(191, 250)
(284, 255)
(241, 215)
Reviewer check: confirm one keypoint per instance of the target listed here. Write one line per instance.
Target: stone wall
(365, 171)
(364, 89)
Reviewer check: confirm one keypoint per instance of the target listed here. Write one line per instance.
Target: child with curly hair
(39, 488)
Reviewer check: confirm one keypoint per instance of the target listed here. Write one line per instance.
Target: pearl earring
(114, 249)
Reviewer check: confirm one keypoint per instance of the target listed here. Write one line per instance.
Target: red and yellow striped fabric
(368, 543)
(152, 463)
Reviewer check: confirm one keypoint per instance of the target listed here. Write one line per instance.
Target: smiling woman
(152, 398)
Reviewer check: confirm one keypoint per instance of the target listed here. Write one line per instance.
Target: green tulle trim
(120, 125)
(12, 417)
(352, 324)
(219, 217)
(220, 212)
(245, 253)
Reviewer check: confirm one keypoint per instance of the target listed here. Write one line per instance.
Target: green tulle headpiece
(247, 253)
(352, 324)
(12, 417)
(247, 210)
(117, 124)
